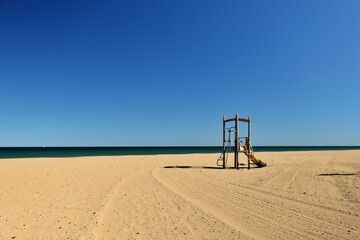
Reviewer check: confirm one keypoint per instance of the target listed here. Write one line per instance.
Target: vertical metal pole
(236, 153)
(248, 148)
(224, 144)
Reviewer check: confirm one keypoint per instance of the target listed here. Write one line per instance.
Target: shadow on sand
(204, 167)
(337, 174)
(195, 167)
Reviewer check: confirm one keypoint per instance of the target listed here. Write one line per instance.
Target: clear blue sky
(130, 73)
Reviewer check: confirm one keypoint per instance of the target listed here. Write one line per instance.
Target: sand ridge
(300, 195)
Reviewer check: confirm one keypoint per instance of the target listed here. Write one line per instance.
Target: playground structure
(238, 144)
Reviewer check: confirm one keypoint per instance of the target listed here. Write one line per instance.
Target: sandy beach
(300, 195)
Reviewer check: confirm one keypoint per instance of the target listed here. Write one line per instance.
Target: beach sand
(300, 195)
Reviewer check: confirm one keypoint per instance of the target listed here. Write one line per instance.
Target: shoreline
(59, 152)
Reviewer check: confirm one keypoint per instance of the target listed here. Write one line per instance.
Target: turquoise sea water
(29, 152)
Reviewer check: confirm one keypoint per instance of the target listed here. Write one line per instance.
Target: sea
(61, 152)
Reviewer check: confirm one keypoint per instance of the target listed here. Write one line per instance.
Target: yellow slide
(255, 159)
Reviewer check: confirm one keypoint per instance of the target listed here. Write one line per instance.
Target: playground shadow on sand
(205, 167)
(195, 167)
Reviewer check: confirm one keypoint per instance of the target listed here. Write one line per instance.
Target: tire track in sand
(97, 221)
(140, 207)
(256, 213)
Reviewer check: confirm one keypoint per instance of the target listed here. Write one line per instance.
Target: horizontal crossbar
(239, 119)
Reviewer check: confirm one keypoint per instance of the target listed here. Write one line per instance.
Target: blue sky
(135, 73)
